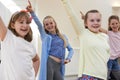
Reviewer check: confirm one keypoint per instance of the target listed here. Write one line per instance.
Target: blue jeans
(113, 64)
(113, 68)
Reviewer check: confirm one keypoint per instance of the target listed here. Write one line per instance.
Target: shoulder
(9, 35)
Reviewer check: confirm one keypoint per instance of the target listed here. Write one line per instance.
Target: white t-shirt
(16, 58)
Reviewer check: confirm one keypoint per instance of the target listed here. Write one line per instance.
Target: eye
(21, 22)
(112, 23)
(27, 22)
(51, 23)
(92, 20)
(98, 20)
(116, 23)
(46, 24)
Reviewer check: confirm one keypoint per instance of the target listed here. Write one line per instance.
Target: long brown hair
(17, 16)
(57, 31)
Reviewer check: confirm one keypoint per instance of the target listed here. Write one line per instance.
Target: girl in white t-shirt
(19, 60)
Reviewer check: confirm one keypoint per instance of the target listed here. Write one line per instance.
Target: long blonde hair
(57, 31)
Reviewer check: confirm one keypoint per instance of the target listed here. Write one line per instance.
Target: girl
(53, 49)
(94, 48)
(19, 60)
(114, 39)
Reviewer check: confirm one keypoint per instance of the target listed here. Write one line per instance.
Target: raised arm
(3, 29)
(40, 27)
(37, 21)
(77, 23)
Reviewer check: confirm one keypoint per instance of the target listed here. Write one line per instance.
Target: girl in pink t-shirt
(114, 41)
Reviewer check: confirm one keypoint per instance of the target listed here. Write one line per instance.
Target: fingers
(29, 7)
(82, 15)
(80, 12)
(29, 3)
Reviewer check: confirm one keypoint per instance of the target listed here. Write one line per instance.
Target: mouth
(24, 30)
(115, 27)
(96, 26)
(50, 28)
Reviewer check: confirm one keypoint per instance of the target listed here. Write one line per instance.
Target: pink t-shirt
(114, 41)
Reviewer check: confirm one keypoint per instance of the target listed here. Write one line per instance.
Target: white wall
(114, 2)
(56, 9)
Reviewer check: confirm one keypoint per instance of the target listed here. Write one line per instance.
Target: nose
(96, 22)
(25, 25)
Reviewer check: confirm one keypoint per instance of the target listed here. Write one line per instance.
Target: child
(53, 49)
(94, 47)
(114, 39)
(19, 60)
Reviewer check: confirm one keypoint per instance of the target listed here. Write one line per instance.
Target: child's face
(114, 24)
(22, 27)
(49, 25)
(93, 22)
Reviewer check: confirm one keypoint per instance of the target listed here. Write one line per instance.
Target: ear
(12, 25)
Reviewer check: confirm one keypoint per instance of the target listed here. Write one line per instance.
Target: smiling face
(21, 27)
(113, 23)
(93, 21)
(49, 25)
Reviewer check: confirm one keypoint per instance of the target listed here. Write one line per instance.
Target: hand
(29, 7)
(82, 15)
(66, 61)
(103, 30)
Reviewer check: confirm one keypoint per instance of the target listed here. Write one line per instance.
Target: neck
(53, 32)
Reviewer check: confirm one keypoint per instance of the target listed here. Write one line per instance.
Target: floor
(71, 77)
